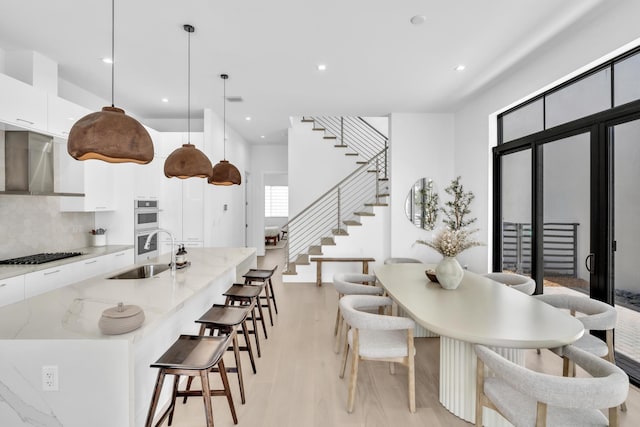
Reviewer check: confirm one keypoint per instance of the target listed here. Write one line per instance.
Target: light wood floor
(297, 382)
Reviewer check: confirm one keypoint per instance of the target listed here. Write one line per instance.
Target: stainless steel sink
(142, 272)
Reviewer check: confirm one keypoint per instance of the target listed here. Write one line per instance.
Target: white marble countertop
(7, 271)
(479, 311)
(72, 312)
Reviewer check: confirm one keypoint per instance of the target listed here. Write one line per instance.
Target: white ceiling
(377, 61)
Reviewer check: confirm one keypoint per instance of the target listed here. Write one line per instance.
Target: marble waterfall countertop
(73, 311)
(89, 252)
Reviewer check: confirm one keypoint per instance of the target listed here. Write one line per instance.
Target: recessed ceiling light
(165, 99)
(262, 136)
(247, 118)
(71, 118)
(107, 60)
(322, 67)
(460, 67)
(418, 19)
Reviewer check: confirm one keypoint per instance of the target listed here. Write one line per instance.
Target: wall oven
(142, 254)
(146, 214)
(146, 221)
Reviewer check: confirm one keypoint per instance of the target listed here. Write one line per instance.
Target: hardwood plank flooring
(297, 383)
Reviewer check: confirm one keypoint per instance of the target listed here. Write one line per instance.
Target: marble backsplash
(34, 224)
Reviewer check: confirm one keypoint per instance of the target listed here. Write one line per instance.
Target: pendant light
(187, 161)
(225, 173)
(110, 135)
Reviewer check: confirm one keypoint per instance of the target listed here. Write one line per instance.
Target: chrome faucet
(173, 250)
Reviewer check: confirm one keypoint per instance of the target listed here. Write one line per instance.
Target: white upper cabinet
(22, 104)
(62, 115)
(98, 188)
(148, 178)
(182, 200)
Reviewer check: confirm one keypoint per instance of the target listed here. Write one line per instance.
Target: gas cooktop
(40, 258)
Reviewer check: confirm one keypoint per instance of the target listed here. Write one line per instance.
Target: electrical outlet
(49, 378)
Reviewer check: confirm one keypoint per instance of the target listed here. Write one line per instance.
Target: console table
(365, 264)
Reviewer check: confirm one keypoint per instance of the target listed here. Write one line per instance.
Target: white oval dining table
(479, 311)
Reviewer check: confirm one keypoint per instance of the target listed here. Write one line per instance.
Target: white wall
(598, 35)
(421, 145)
(315, 166)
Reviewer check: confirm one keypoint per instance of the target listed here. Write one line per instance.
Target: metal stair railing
(354, 132)
(326, 215)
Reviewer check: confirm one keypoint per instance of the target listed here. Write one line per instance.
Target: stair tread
(329, 137)
(351, 154)
(383, 195)
(383, 179)
(340, 232)
(376, 204)
(364, 213)
(327, 241)
(361, 162)
(322, 129)
(340, 146)
(351, 222)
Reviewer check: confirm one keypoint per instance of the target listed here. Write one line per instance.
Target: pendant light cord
(189, 90)
(224, 78)
(113, 59)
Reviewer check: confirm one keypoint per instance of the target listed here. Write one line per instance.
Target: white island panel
(60, 328)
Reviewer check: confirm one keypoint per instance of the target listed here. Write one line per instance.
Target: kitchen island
(103, 380)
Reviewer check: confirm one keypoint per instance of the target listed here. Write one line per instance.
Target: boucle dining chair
(595, 315)
(351, 284)
(376, 337)
(518, 282)
(528, 398)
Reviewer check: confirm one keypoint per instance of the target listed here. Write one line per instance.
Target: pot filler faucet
(173, 251)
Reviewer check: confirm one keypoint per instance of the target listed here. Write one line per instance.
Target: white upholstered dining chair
(351, 284)
(595, 315)
(376, 337)
(529, 398)
(401, 261)
(518, 282)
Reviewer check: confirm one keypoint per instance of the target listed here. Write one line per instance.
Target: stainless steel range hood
(28, 164)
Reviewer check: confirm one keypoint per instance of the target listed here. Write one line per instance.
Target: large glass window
(276, 201)
(524, 121)
(516, 212)
(587, 96)
(626, 87)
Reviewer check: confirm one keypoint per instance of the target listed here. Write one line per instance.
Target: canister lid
(121, 311)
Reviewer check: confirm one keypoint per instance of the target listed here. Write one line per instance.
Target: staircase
(348, 203)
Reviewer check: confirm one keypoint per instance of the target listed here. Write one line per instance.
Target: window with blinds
(276, 201)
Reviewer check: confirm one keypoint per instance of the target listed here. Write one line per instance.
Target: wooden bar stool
(264, 276)
(194, 356)
(224, 320)
(247, 295)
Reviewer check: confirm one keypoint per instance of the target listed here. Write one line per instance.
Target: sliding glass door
(625, 189)
(566, 214)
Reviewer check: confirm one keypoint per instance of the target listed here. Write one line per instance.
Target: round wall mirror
(422, 204)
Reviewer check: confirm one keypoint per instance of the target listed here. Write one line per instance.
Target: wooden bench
(365, 265)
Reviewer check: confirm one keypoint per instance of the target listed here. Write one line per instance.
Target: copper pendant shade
(187, 161)
(110, 135)
(225, 173)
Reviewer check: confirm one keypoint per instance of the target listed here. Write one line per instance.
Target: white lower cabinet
(42, 281)
(119, 260)
(11, 290)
